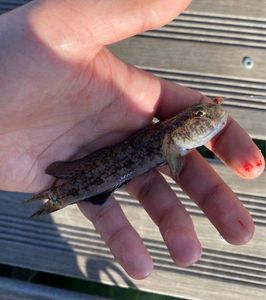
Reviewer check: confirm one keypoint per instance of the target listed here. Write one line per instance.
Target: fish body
(95, 176)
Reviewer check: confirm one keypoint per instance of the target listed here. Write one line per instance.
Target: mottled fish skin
(95, 176)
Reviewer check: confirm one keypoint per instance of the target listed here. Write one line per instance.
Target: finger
(216, 199)
(169, 215)
(163, 98)
(175, 98)
(233, 145)
(124, 242)
(238, 151)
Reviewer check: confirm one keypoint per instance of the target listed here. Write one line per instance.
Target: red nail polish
(251, 170)
(259, 163)
(248, 167)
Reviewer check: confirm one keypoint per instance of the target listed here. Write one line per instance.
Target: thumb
(103, 22)
(76, 30)
(112, 21)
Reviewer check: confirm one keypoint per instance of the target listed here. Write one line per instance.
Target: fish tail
(51, 205)
(47, 208)
(40, 196)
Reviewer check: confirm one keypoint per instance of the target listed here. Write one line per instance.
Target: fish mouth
(218, 127)
(222, 120)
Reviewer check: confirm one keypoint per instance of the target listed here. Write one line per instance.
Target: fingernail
(138, 266)
(251, 169)
(185, 248)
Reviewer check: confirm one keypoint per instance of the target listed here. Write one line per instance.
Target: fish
(94, 177)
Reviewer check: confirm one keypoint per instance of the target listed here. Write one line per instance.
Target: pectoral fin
(99, 199)
(64, 169)
(172, 155)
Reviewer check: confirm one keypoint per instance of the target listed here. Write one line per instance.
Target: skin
(94, 177)
(63, 92)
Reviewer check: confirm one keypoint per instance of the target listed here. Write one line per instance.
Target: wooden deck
(203, 49)
(15, 289)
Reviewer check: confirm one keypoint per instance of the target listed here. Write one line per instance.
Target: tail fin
(48, 207)
(35, 197)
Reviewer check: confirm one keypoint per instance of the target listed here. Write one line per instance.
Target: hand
(62, 92)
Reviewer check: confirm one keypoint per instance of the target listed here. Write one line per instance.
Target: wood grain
(212, 69)
(11, 289)
(204, 50)
(66, 243)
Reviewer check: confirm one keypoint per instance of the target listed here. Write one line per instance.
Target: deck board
(11, 289)
(215, 70)
(66, 243)
(202, 49)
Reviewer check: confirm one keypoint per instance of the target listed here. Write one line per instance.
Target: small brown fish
(94, 177)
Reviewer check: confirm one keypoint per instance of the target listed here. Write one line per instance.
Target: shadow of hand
(63, 92)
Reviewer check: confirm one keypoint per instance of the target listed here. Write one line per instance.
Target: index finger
(233, 145)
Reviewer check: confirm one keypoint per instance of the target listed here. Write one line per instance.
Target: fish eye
(200, 113)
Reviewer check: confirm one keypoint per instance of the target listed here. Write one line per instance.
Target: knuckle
(211, 194)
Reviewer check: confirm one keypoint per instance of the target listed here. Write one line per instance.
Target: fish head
(199, 124)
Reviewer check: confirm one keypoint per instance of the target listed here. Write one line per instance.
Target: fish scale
(94, 177)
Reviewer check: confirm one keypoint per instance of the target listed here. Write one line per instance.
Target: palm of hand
(89, 107)
(60, 96)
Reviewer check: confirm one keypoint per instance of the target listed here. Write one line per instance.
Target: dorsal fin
(64, 169)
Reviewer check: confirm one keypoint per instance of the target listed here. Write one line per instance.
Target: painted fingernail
(251, 170)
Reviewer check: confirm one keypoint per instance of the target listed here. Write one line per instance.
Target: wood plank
(190, 57)
(199, 51)
(66, 243)
(11, 289)
(203, 49)
(242, 8)
(7, 5)
(213, 70)
(212, 29)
